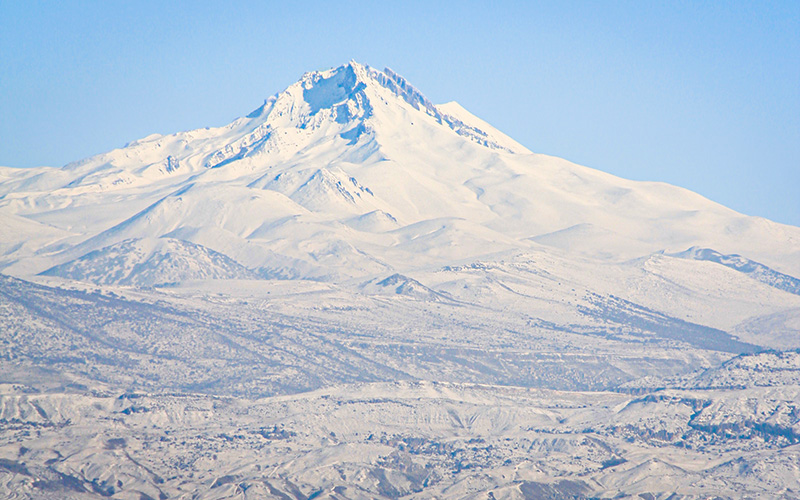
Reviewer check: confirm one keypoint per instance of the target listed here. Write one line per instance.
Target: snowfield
(352, 292)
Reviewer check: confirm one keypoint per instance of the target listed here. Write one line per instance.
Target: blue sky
(704, 95)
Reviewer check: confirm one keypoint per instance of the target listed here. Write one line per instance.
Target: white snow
(353, 292)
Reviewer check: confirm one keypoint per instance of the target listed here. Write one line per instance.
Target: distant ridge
(150, 262)
(753, 269)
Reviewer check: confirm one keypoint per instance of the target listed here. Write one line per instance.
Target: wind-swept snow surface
(352, 292)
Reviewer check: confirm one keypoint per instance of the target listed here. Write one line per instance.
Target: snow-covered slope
(353, 174)
(764, 369)
(302, 170)
(373, 296)
(404, 440)
(150, 262)
(753, 269)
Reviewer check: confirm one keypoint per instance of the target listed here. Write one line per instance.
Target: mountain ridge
(352, 292)
(353, 140)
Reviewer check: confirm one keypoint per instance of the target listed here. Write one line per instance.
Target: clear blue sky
(705, 95)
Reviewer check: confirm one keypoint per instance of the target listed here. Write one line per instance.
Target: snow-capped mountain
(352, 292)
(296, 180)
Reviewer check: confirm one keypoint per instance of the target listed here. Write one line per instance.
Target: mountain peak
(366, 108)
(354, 168)
(350, 93)
(329, 89)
